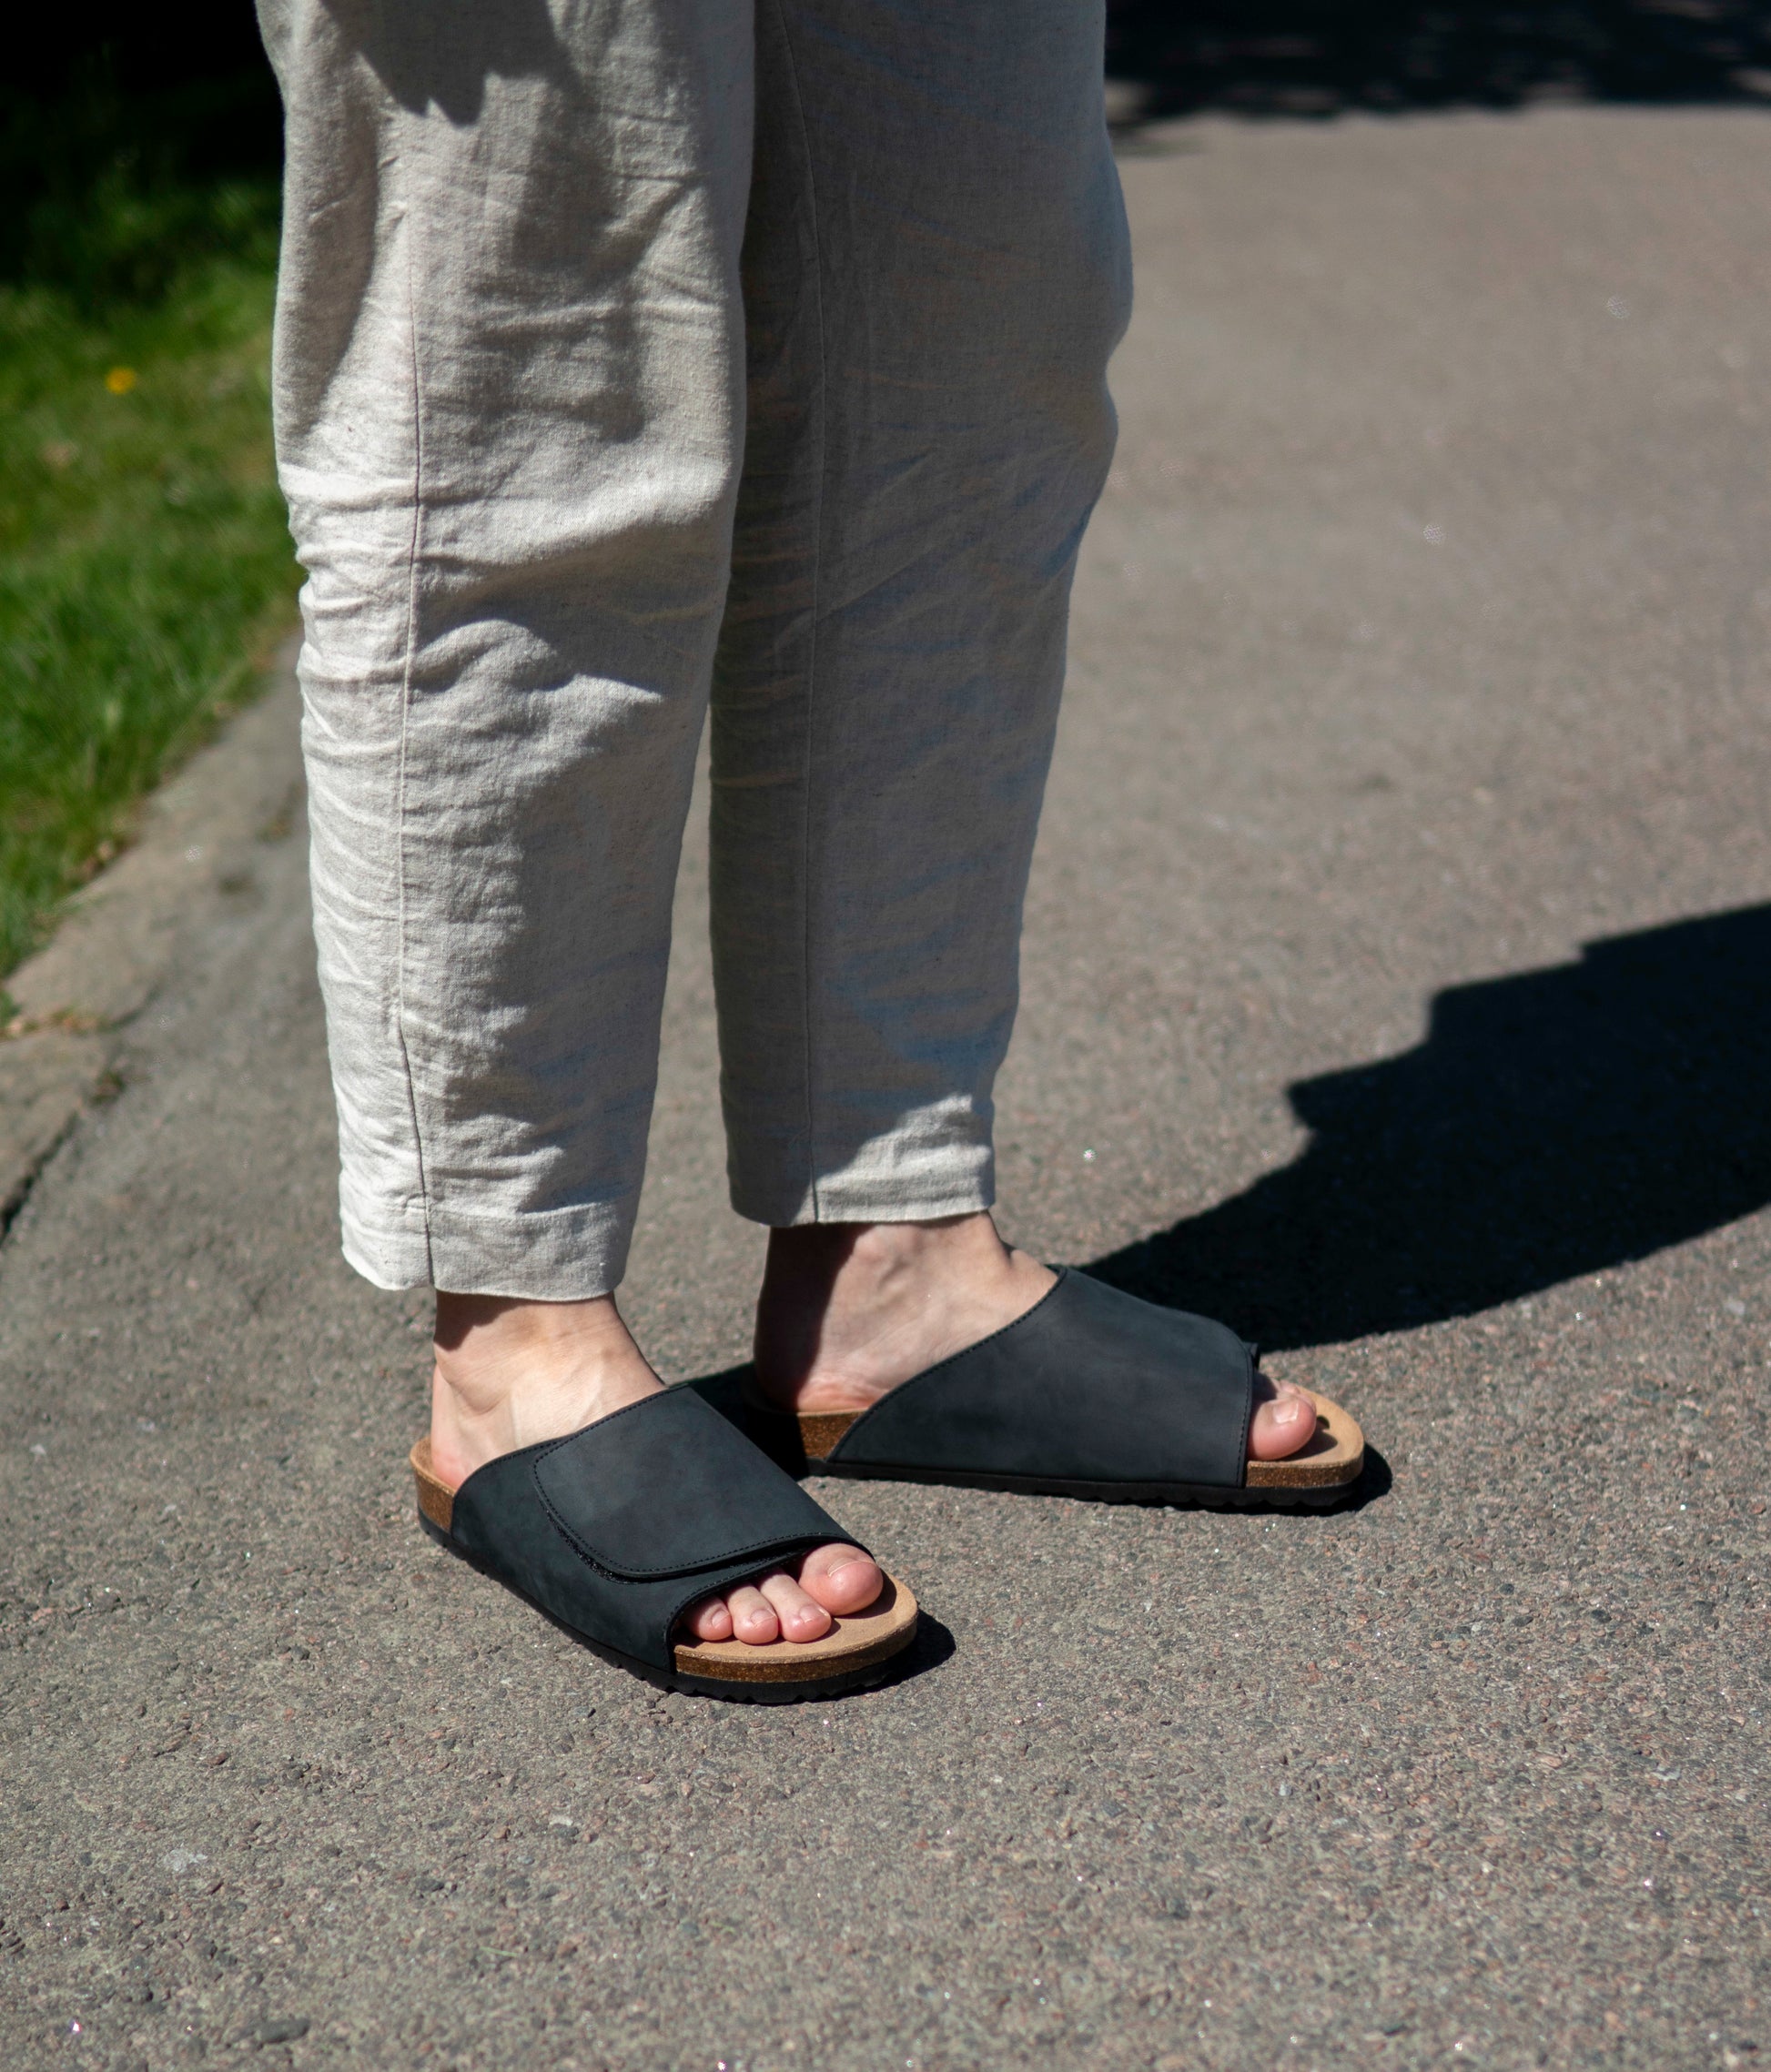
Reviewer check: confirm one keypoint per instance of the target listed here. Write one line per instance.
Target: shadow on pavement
(933, 1645)
(1327, 56)
(1550, 1124)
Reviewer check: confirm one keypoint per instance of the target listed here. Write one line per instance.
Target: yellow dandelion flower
(121, 380)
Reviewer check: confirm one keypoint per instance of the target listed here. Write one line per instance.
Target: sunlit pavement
(1397, 976)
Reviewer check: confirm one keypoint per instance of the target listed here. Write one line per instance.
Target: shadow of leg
(1550, 1124)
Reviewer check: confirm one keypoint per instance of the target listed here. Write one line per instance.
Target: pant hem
(562, 1255)
(868, 1199)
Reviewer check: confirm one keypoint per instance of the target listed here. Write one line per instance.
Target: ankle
(849, 1310)
(510, 1373)
(821, 1258)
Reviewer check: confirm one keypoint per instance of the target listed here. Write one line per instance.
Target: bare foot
(849, 1310)
(510, 1373)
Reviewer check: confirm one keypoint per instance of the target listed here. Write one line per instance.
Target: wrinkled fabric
(631, 353)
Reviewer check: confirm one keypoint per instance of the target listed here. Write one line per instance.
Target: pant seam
(414, 544)
(817, 574)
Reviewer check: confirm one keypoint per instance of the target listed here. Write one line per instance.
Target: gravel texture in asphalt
(1398, 973)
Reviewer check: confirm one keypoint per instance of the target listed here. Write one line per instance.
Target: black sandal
(615, 1530)
(1092, 1393)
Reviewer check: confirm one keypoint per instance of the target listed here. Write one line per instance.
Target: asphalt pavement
(1398, 972)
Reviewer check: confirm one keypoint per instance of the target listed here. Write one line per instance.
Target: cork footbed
(1332, 1458)
(854, 1643)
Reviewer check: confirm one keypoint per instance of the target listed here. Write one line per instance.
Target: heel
(436, 1499)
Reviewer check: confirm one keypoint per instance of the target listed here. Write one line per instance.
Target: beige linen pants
(628, 352)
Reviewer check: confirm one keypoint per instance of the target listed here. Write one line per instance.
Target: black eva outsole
(729, 1691)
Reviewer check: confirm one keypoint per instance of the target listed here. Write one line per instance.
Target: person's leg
(936, 273)
(508, 400)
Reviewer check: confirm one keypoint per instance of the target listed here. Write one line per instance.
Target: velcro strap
(667, 1486)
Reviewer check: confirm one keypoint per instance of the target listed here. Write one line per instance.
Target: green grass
(144, 563)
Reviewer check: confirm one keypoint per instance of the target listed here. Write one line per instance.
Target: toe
(842, 1579)
(800, 1618)
(753, 1616)
(1283, 1423)
(711, 1620)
